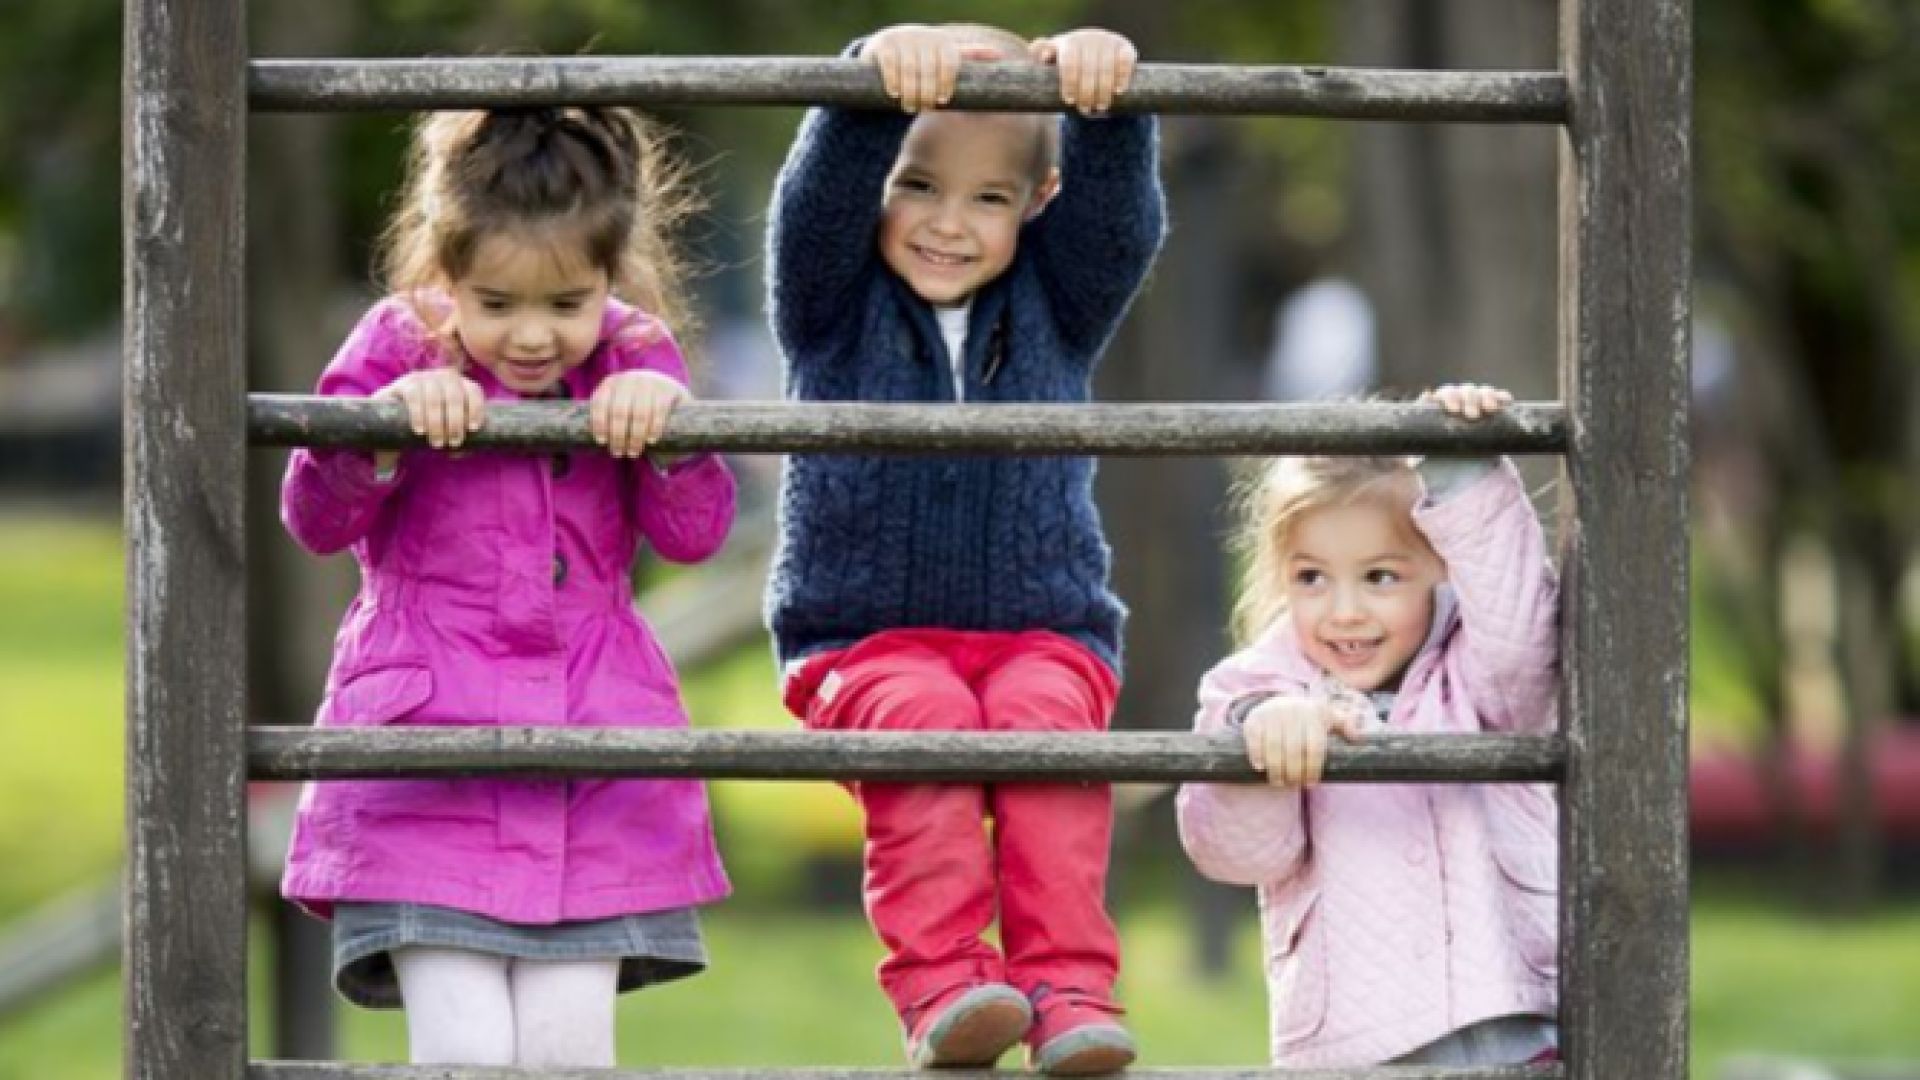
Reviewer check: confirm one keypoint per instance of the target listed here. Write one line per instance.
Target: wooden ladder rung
(305, 753)
(1156, 429)
(326, 85)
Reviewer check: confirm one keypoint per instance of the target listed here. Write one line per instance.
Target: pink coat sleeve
(1507, 654)
(1242, 834)
(330, 498)
(686, 509)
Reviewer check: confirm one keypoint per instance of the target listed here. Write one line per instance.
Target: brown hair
(596, 176)
(1272, 500)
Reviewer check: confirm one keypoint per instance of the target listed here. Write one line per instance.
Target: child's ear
(1043, 194)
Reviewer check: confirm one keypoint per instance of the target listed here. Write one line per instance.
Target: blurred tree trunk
(1841, 453)
(1167, 514)
(295, 247)
(1164, 514)
(1863, 402)
(1454, 225)
(1751, 480)
(296, 251)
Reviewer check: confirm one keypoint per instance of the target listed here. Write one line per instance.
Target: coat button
(562, 465)
(559, 569)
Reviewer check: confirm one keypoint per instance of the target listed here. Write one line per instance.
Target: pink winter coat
(495, 591)
(1393, 914)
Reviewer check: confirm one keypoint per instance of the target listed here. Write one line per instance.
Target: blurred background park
(1307, 258)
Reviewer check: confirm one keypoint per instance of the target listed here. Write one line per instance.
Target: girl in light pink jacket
(1403, 923)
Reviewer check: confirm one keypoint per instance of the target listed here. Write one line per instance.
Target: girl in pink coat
(1403, 923)
(505, 915)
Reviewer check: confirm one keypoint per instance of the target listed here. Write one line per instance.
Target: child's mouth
(942, 259)
(1353, 654)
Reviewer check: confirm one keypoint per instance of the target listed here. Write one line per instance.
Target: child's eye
(1308, 578)
(567, 306)
(912, 184)
(996, 198)
(493, 307)
(1383, 577)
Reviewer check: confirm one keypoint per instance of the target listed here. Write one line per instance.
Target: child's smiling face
(961, 188)
(529, 311)
(1360, 583)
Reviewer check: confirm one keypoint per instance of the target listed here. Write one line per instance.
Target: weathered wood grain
(1111, 429)
(294, 753)
(184, 111)
(1625, 313)
(1537, 97)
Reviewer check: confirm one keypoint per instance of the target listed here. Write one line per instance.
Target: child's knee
(916, 704)
(1046, 698)
(1052, 710)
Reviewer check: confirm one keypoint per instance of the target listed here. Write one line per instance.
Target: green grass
(60, 708)
(783, 990)
(786, 988)
(797, 990)
(1772, 980)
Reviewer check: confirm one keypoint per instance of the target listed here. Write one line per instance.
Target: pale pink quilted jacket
(1393, 914)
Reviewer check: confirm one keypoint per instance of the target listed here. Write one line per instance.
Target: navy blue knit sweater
(873, 543)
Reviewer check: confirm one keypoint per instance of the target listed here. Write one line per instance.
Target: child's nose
(946, 219)
(531, 334)
(1346, 603)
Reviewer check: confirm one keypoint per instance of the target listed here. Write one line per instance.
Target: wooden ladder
(1622, 99)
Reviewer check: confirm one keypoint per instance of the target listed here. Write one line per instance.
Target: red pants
(933, 871)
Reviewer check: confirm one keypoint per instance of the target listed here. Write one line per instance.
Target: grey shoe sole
(1094, 1050)
(975, 1030)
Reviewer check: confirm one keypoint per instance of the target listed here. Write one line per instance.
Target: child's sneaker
(1074, 1034)
(967, 1025)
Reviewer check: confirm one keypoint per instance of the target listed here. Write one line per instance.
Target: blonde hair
(1273, 499)
(596, 176)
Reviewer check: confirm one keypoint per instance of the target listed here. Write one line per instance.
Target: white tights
(472, 1008)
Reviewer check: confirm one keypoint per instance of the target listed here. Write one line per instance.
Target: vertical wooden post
(186, 915)
(1625, 311)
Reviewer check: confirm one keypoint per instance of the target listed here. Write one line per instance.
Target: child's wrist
(1241, 707)
(1444, 477)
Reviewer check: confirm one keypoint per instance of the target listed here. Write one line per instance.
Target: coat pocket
(1298, 973)
(1530, 891)
(378, 695)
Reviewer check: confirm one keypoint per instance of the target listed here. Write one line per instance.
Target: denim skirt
(655, 947)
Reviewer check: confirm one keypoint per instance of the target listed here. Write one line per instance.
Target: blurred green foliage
(59, 168)
(1805, 142)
